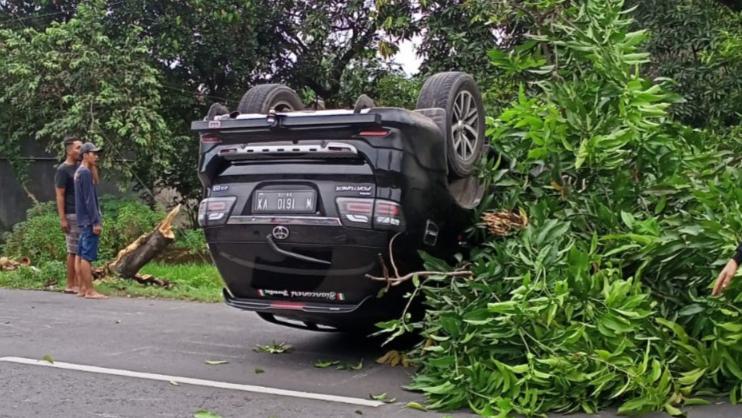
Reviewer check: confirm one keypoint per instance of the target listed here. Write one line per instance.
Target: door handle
(292, 254)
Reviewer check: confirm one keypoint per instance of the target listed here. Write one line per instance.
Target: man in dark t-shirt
(64, 180)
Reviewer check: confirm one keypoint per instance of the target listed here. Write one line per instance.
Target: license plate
(285, 201)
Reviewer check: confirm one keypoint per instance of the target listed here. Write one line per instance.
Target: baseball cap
(88, 147)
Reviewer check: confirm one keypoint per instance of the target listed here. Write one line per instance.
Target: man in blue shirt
(88, 218)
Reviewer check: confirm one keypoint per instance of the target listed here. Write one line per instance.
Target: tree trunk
(145, 248)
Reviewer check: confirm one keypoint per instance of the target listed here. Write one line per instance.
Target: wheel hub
(464, 128)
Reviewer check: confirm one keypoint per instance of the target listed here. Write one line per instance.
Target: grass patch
(196, 282)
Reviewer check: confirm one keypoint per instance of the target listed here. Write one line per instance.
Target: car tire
(458, 94)
(267, 97)
(363, 102)
(217, 109)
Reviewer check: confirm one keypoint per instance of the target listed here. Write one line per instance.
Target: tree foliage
(73, 78)
(195, 52)
(601, 299)
(693, 43)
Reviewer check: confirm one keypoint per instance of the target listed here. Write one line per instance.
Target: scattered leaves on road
(258, 370)
(339, 365)
(394, 358)
(323, 364)
(383, 397)
(48, 358)
(415, 405)
(202, 413)
(275, 348)
(351, 366)
(216, 362)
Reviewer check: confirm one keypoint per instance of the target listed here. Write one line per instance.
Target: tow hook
(273, 119)
(430, 236)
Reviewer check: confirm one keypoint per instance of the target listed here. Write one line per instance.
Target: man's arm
(728, 273)
(88, 197)
(59, 189)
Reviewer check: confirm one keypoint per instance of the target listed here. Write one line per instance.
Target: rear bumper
(311, 315)
(290, 308)
(253, 270)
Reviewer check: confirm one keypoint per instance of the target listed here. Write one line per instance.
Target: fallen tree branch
(29, 194)
(396, 281)
(148, 279)
(391, 255)
(502, 223)
(143, 249)
(8, 265)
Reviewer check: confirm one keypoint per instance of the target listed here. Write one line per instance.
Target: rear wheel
(363, 102)
(270, 97)
(457, 93)
(217, 109)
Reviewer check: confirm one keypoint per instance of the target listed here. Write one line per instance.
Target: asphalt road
(146, 351)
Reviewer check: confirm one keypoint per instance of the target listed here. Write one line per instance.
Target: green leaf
(691, 377)
(696, 401)
(415, 405)
(274, 348)
(634, 406)
(673, 411)
(691, 309)
(357, 366)
(323, 364)
(203, 413)
(383, 397)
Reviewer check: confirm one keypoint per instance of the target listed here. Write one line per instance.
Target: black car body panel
(299, 237)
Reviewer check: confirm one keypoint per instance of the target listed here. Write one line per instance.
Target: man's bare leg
(86, 282)
(72, 283)
(78, 274)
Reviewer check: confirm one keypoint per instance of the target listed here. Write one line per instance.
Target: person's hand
(65, 225)
(97, 229)
(725, 277)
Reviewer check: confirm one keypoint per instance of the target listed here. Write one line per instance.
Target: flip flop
(70, 291)
(98, 296)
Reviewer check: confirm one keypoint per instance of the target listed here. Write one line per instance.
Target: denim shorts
(87, 247)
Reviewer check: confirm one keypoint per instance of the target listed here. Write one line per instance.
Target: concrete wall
(14, 201)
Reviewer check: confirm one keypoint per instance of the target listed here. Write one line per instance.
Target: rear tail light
(210, 139)
(382, 214)
(379, 133)
(387, 214)
(215, 210)
(356, 212)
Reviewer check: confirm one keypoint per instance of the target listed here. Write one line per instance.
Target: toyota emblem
(280, 232)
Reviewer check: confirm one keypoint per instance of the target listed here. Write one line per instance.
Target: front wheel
(270, 97)
(458, 94)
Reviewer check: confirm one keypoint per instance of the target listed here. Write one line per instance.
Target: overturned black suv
(300, 206)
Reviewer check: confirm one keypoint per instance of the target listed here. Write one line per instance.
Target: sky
(406, 56)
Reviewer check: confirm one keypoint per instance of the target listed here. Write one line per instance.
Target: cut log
(148, 279)
(145, 248)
